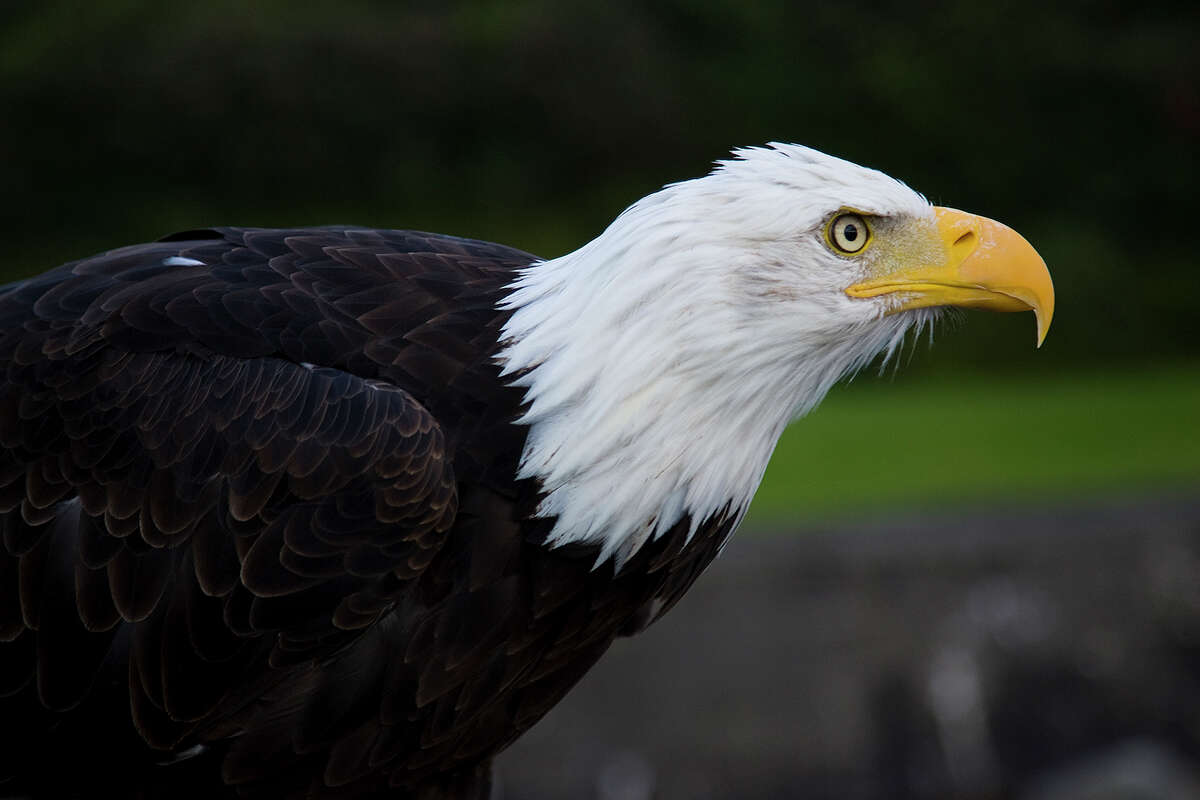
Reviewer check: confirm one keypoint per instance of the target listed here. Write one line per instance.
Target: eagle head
(662, 360)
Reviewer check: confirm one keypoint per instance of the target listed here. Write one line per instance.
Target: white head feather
(663, 359)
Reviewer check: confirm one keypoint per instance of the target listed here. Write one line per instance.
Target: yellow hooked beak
(984, 265)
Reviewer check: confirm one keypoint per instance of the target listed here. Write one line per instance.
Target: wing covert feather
(210, 481)
(179, 493)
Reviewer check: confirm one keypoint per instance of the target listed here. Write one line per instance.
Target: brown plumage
(261, 530)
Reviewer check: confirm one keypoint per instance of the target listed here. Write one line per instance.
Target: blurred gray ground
(1041, 654)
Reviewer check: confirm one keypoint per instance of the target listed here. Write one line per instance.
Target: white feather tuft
(181, 261)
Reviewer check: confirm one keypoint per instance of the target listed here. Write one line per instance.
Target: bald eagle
(338, 512)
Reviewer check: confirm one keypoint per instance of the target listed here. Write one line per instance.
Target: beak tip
(1043, 326)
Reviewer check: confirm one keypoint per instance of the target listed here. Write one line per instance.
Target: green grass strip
(947, 441)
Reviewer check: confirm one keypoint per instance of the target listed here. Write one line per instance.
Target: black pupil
(850, 232)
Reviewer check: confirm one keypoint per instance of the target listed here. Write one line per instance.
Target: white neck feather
(663, 360)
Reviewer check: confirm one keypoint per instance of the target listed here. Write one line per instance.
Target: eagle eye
(848, 233)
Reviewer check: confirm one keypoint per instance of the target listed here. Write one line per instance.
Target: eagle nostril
(965, 241)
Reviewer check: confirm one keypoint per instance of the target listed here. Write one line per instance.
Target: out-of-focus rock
(979, 655)
(1138, 770)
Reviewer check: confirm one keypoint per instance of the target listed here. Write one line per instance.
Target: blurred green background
(535, 122)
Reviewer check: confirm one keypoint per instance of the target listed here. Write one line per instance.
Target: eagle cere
(338, 512)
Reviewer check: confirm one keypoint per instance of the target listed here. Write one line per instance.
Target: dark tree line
(534, 122)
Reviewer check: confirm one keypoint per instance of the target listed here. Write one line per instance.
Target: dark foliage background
(534, 122)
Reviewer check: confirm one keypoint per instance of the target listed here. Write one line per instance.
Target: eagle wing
(213, 467)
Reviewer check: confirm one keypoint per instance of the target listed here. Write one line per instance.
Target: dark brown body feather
(261, 531)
